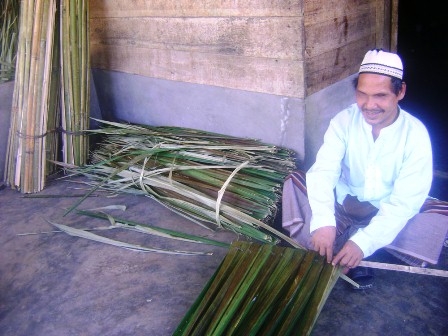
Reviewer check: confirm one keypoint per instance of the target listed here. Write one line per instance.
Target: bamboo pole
(85, 62)
(54, 109)
(404, 268)
(39, 93)
(11, 158)
(30, 105)
(47, 86)
(21, 126)
(74, 73)
(66, 84)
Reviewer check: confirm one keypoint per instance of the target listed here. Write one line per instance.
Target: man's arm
(321, 180)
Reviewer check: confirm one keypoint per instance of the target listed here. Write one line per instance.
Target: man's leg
(422, 239)
(296, 211)
(350, 217)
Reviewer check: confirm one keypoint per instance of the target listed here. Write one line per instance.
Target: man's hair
(397, 84)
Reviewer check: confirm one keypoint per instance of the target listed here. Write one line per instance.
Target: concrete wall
(6, 92)
(274, 119)
(320, 108)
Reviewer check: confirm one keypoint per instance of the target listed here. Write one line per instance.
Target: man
(372, 174)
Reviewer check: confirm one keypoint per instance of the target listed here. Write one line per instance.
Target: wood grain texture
(337, 64)
(394, 26)
(332, 34)
(316, 11)
(270, 37)
(383, 24)
(195, 8)
(274, 76)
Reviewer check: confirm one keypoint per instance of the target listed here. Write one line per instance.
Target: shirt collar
(388, 129)
(395, 125)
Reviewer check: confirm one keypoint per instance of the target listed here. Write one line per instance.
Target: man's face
(378, 102)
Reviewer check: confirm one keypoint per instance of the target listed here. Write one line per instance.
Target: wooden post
(394, 26)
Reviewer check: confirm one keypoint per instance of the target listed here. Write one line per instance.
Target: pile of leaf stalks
(216, 181)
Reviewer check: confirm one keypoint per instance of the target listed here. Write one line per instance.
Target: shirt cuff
(363, 242)
(320, 221)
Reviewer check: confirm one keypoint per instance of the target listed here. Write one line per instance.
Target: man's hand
(349, 256)
(323, 240)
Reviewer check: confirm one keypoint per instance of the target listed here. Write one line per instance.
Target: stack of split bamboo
(35, 115)
(212, 179)
(75, 82)
(262, 290)
(27, 153)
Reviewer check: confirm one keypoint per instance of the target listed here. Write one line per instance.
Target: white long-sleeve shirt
(394, 173)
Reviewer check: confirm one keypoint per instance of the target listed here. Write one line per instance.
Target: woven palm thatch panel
(262, 290)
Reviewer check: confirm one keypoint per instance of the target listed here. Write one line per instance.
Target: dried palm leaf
(212, 179)
(151, 229)
(91, 236)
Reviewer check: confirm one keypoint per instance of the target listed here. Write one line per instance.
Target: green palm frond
(262, 290)
(212, 179)
(133, 247)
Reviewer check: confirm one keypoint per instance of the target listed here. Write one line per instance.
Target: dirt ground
(56, 284)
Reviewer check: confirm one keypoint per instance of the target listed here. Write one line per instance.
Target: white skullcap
(383, 63)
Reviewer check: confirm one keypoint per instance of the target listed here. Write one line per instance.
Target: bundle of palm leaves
(214, 180)
(262, 290)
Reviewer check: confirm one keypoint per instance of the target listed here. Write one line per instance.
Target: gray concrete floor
(55, 284)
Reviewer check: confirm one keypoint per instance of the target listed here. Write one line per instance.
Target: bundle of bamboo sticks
(75, 82)
(30, 107)
(36, 113)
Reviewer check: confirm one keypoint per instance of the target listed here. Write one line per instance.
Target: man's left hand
(349, 256)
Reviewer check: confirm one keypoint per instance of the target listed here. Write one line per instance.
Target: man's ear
(402, 91)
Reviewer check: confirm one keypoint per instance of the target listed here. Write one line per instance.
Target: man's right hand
(323, 240)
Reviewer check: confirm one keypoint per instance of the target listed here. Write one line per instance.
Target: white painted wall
(320, 107)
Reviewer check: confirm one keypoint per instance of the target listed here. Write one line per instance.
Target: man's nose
(370, 103)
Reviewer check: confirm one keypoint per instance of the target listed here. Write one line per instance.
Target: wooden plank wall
(253, 45)
(338, 33)
(284, 47)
